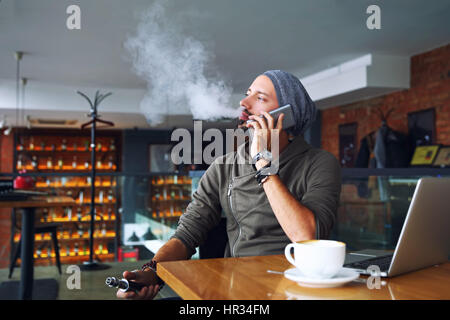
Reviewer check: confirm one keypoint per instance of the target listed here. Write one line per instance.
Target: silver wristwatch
(264, 154)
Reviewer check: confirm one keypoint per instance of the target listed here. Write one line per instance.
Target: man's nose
(245, 103)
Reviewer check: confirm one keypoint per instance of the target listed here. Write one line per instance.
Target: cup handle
(287, 253)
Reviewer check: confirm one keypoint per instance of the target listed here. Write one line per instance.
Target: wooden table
(247, 278)
(27, 235)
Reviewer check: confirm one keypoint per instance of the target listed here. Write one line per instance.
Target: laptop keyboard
(382, 262)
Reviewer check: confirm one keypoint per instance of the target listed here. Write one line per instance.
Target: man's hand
(145, 277)
(265, 134)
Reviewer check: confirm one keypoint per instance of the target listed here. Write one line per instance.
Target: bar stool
(48, 228)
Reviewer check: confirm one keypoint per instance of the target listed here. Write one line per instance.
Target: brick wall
(429, 88)
(6, 165)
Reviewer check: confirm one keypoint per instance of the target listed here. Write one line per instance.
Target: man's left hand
(264, 135)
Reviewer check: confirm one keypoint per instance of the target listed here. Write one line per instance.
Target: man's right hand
(146, 277)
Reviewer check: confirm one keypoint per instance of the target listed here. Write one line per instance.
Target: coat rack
(91, 264)
(384, 116)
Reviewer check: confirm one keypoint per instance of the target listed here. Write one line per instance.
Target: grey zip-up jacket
(313, 176)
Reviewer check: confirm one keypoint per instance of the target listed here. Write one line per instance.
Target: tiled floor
(92, 282)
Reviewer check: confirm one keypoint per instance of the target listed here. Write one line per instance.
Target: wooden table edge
(181, 289)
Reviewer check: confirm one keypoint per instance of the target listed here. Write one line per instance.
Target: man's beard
(240, 124)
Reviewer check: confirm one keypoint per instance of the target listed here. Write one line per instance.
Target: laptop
(425, 237)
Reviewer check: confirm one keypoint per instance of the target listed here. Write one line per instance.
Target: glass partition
(373, 209)
(152, 205)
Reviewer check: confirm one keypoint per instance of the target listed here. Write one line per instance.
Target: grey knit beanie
(290, 90)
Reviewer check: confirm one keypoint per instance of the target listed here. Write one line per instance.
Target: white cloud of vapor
(173, 65)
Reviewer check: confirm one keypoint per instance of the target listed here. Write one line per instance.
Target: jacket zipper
(230, 186)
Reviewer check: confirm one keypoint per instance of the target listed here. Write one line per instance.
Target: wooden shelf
(162, 200)
(85, 237)
(52, 152)
(73, 187)
(78, 259)
(171, 184)
(77, 221)
(71, 170)
(64, 178)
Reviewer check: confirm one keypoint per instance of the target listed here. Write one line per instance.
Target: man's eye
(260, 98)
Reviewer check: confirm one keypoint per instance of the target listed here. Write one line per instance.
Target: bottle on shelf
(74, 163)
(42, 148)
(99, 164)
(45, 215)
(110, 196)
(80, 231)
(34, 162)
(31, 145)
(69, 213)
(19, 165)
(112, 146)
(111, 163)
(60, 164)
(20, 145)
(86, 250)
(49, 163)
(53, 214)
(111, 214)
(65, 234)
(64, 145)
(79, 214)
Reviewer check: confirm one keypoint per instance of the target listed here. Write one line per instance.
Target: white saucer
(342, 277)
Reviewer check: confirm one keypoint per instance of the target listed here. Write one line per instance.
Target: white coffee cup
(318, 259)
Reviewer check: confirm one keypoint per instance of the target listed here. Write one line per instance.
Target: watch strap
(262, 174)
(152, 266)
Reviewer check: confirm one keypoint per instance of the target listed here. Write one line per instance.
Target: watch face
(266, 155)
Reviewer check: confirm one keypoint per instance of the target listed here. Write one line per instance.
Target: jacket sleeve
(203, 212)
(323, 189)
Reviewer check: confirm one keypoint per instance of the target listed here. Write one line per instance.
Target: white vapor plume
(173, 65)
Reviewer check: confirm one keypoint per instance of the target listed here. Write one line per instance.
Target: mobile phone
(288, 121)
